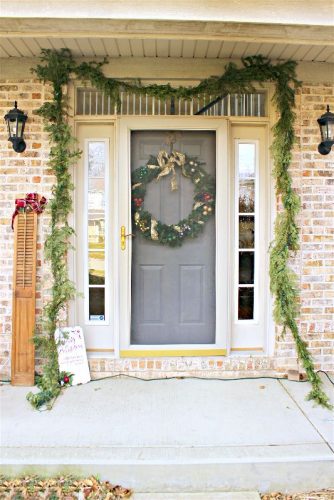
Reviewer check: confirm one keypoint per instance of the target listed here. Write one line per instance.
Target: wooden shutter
(24, 290)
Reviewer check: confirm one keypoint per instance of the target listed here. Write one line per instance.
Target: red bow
(31, 203)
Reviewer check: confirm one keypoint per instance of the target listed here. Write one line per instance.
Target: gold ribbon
(167, 164)
(154, 232)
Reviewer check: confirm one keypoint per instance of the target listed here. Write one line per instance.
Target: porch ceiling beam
(170, 70)
(111, 28)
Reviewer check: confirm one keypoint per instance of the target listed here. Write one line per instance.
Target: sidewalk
(175, 435)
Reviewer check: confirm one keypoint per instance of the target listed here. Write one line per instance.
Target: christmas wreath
(204, 198)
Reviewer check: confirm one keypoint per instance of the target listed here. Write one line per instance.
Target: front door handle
(123, 237)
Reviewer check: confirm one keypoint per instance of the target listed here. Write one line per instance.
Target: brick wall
(20, 174)
(317, 229)
(314, 263)
(313, 176)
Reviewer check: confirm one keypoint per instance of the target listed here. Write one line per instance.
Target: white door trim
(220, 126)
(252, 335)
(102, 344)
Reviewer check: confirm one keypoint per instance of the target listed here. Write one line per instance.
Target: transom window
(91, 102)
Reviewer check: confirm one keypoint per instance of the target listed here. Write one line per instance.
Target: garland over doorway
(57, 68)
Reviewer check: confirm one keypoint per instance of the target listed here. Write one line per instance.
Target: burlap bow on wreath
(167, 164)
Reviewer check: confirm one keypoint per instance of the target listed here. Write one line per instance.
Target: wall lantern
(16, 120)
(326, 124)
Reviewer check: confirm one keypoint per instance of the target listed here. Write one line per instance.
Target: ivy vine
(57, 67)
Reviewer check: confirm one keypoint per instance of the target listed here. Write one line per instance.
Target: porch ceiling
(186, 48)
(23, 37)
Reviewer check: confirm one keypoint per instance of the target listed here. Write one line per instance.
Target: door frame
(223, 316)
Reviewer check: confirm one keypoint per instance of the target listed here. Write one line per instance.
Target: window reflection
(246, 232)
(96, 159)
(246, 160)
(96, 233)
(96, 268)
(246, 268)
(96, 190)
(246, 303)
(246, 196)
(96, 304)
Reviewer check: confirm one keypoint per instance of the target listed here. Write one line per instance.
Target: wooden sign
(72, 356)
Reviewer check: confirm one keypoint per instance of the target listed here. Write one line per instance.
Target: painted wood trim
(141, 353)
(86, 130)
(99, 350)
(124, 127)
(147, 68)
(247, 349)
(24, 27)
(259, 11)
(24, 299)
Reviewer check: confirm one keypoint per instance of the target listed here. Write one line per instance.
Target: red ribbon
(31, 203)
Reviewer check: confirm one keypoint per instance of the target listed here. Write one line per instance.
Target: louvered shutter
(24, 291)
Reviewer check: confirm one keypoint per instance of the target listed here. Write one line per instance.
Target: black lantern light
(16, 120)
(326, 124)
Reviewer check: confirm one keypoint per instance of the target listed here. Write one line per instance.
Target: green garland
(57, 68)
(283, 281)
(62, 155)
(204, 202)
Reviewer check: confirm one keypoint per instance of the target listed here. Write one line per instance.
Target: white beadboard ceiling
(173, 48)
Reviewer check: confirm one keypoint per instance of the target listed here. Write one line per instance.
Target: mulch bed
(64, 488)
(312, 495)
(69, 488)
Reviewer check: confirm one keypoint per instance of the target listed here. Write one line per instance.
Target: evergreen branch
(57, 69)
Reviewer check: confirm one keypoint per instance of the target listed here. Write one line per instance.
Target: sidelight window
(97, 180)
(246, 230)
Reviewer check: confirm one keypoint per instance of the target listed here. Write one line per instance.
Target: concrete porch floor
(179, 435)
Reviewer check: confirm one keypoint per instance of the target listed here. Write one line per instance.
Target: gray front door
(173, 289)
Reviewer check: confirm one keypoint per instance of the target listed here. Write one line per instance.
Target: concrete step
(183, 468)
(174, 436)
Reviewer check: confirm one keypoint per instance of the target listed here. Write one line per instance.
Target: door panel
(173, 289)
